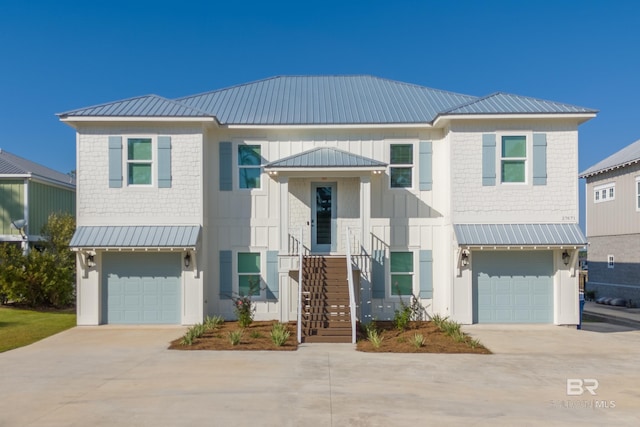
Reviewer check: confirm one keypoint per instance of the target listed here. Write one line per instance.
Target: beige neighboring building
(613, 225)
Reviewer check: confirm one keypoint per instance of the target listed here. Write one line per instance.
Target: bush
(279, 334)
(41, 278)
(235, 337)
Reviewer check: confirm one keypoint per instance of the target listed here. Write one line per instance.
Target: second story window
(249, 166)
(401, 170)
(604, 193)
(139, 161)
(513, 159)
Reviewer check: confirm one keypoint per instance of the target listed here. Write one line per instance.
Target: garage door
(513, 287)
(141, 288)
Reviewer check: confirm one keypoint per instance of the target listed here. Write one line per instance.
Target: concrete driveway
(105, 376)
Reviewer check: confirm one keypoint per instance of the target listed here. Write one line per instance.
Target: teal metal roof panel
(142, 106)
(10, 164)
(519, 235)
(325, 157)
(147, 236)
(627, 156)
(504, 103)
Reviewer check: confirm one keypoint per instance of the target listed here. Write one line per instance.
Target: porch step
(323, 339)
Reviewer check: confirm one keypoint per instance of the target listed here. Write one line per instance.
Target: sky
(62, 55)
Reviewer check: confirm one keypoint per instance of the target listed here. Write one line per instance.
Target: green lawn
(23, 327)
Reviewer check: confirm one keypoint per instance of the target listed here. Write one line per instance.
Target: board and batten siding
(618, 216)
(45, 200)
(12, 204)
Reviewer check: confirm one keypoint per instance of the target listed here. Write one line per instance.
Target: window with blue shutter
(164, 162)
(488, 159)
(426, 166)
(539, 159)
(273, 277)
(115, 162)
(225, 167)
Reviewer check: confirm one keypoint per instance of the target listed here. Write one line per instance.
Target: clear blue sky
(57, 56)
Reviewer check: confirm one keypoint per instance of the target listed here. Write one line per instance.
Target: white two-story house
(468, 203)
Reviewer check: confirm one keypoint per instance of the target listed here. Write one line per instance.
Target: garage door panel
(513, 287)
(142, 288)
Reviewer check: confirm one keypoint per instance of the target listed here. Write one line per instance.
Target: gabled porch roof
(325, 158)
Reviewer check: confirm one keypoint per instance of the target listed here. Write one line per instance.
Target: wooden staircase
(326, 315)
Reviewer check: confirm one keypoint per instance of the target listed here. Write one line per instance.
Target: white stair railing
(352, 298)
(300, 259)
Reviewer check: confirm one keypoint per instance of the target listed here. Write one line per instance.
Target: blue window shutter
(426, 167)
(115, 162)
(273, 277)
(226, 168)
(539, 159)
(226, 275)
(377, 274)
(488, 159)
(164, 162)
(426, 274)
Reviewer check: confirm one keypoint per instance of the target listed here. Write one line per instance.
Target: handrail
(300, 246)
(352, 299)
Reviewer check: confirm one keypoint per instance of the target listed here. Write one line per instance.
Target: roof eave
(442, 119)
(608, 169)
(325, 169)
(329, 126)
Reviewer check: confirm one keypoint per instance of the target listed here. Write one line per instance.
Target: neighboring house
(613, 224)
(29, 193)
(469, 203)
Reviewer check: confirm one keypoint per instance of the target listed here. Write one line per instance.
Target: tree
(44, 277)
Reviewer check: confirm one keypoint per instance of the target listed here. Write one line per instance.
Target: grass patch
(19, 327)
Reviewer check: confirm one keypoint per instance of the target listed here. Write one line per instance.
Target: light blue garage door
(512, 287)
(141, 288)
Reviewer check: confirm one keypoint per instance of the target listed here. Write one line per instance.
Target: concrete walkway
(618, 315)
(105, 376)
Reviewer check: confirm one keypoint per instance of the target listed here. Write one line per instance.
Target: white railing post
(300, 287)
(352, 299)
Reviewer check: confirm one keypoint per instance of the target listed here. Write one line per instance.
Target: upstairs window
(604, 193)
(401, 170)
(249, 166)
(513, 159)
(139, 161)
(610, 261)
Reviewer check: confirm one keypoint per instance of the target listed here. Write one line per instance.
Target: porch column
(365, 212)
(284, 214)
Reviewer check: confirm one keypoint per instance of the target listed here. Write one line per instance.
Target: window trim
(610, 261)
(153, 162)
(237, 166)
(236, 274)
(602, 193)
(528, 159)
(390, 289)
(411, 165)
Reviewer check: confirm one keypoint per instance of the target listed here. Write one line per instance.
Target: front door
(323, 217)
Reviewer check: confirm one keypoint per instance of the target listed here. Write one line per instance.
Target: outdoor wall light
(187, 260)
(465, 257)
(565, 257)
(91, 261)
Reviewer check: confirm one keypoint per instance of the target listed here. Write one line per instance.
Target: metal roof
(10, 164)
(505, 103)
(324, 100)
(142, 106)
(628, 155)
(146, 236)
(325, 157)
(519, 235)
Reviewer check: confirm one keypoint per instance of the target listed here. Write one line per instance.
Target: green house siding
(45, 200)
(11, 204)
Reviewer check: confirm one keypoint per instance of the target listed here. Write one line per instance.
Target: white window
(513, 159)
(401, 165)
(249, 166)
(638, 193)
(604, 193)
(139, 161)
(610, 261)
